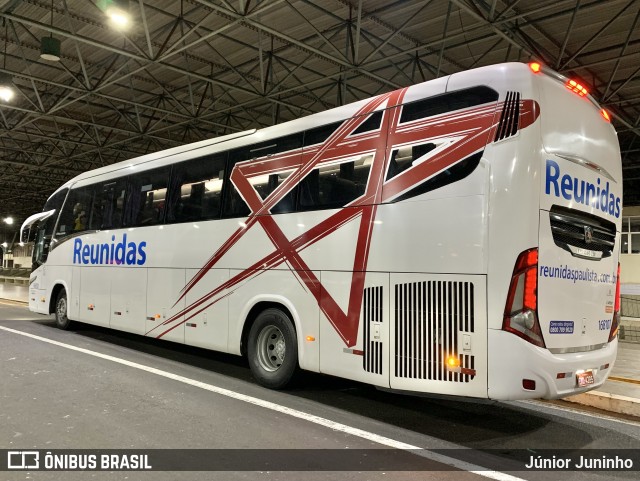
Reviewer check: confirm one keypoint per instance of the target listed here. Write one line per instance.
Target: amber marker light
(605, 115)
(453, 361)
(311, 338)
(535, 67)
(576, 87)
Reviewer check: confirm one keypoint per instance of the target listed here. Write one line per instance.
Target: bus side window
(404, 158)
(267, 183)
(109, 205)
(335, 186)
(196, 189)
(448, 102)
(264, 184)
(73, 217)
(372, 122)
(320, 134)
(147, 193)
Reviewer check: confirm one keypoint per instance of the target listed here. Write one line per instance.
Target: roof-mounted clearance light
(576, 87)
(605, 115)
(535, 67)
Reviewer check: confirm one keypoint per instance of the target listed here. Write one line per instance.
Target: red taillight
(521, 309)
(535, 67)
(605, 115)
(531, 288)
(527, 259)
(615, 323)
(576, 87)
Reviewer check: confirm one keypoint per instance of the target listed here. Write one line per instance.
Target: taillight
(616, 310)
(521, 309)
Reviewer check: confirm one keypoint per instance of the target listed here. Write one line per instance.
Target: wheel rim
(271, 348)
(61, 310)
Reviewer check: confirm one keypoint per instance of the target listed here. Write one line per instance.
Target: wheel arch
(55, 291)
(258, 304)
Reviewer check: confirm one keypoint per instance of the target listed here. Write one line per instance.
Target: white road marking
(542, 404)
(382, 440)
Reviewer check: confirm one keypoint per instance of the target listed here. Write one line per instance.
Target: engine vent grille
(372, 316)
(510, 117)
(428, 318)
(582, 231)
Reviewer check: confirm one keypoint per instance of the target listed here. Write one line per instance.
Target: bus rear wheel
(272, 349)
(62, 318)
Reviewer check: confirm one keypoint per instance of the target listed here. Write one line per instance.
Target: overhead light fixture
(50, 46)
(50, 49)
(6, 87)
(8, 220)
(118, 13)
(6, 80)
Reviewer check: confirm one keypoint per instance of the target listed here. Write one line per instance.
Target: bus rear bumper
(512, 360)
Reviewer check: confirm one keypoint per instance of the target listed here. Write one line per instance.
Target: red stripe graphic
(467, 132)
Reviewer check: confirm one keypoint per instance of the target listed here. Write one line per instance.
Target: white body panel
(95, 296)
(128, 299)
(163, 289)
(384, 288)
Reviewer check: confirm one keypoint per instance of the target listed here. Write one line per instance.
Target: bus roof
(236, 139)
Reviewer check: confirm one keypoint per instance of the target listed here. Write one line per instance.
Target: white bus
(459, 237)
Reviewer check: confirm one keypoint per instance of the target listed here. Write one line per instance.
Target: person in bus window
(80, 222)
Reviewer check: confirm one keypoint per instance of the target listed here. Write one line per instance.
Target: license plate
(585, 378)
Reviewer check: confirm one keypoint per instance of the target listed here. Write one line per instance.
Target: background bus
(459, 237)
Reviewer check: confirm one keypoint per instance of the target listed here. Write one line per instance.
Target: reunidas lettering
(581, 191)
(123, 252)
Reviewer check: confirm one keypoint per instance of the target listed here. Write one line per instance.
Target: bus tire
(272, 349)
(62, 308)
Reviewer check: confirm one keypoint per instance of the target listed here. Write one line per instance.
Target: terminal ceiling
(194, 69)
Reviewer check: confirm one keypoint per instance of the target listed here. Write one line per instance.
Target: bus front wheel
(272, 349)
(62, 319)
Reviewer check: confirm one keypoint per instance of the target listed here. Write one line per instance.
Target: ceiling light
(118, 12)
(6, 80)
(49, 46)
(8, 220)
(6, 87)
(6, 93)
(50, 49)
(119, 18)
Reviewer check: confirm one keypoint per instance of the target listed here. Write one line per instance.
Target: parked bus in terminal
(459, 237)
